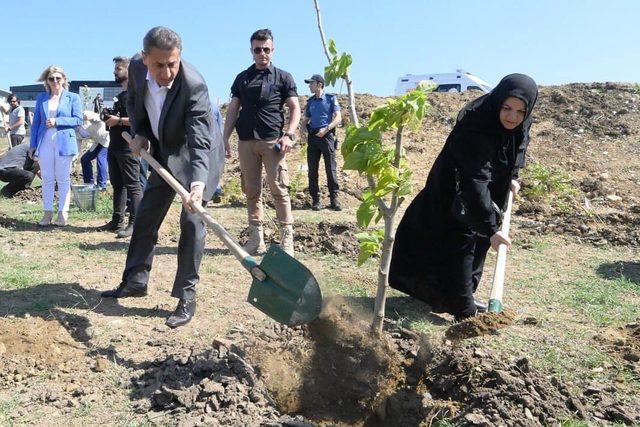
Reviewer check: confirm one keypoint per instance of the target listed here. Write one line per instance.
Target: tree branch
(324, 41)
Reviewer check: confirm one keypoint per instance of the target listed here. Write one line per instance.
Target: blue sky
(554, 41)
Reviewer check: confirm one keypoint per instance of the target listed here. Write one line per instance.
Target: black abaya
(436, 258)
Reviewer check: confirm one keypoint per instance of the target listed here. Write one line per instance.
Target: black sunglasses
(257, 50)
(54, 78)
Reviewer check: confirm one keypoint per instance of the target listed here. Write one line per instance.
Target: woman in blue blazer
(53, 140)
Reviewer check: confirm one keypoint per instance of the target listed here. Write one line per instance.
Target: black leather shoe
(125, 232)
(481, 306)
(182, 314)
(124, 291)
(113, 225)
(335, 206)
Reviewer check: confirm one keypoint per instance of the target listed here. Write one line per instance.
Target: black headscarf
(487, 155)
(483, 114)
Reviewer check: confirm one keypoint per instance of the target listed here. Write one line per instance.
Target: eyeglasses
(55, 78)
(257, 50)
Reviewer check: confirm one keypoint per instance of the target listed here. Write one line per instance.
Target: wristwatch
(292, 136)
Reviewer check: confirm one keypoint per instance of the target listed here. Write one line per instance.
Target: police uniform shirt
(320, 110)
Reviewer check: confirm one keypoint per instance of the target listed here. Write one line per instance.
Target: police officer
(322, 116)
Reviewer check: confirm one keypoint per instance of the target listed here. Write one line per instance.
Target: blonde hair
(50, 70)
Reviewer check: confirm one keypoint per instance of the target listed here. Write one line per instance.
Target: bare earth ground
(571, 354)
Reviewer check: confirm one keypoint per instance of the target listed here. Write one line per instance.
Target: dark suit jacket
(190, 141)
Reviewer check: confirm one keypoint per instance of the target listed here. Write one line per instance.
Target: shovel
(282, 288)
(497, 287)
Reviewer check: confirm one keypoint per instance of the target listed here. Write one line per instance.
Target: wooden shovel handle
(241, 255)
(497, 287)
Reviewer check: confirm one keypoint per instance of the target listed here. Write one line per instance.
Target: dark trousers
(461, 270)
(18, 179)
(156, 201)
(100, 153)
(16, 140)
(322, 147)
(124, 170)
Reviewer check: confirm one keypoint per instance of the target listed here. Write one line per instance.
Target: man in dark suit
(170, 113)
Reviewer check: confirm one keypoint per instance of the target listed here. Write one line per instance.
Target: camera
(106, 112)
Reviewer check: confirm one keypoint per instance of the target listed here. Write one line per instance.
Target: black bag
(460, 209)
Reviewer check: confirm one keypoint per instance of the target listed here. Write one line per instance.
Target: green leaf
(365, 213)
(331, 47)
(357, 135)
(370, 244)
(356, 161)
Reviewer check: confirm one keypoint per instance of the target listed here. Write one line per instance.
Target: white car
(459, 81)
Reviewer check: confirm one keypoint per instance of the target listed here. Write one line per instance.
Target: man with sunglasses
(259, 94)
(15, 128)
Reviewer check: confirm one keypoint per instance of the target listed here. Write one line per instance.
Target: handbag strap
(458, 181)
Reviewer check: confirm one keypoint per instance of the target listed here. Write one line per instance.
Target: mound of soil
(28, 350)
(206, 386)
(483, 324)
(338, 238)
(30, 194)
(333, 371)
(624, 342)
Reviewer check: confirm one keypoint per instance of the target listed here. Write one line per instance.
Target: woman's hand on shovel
(499, 239)
(515, 187)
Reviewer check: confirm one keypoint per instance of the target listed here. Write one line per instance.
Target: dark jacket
(190, 141)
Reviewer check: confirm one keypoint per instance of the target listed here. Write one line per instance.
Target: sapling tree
(384, 165)
(338, 67)
(388, 178)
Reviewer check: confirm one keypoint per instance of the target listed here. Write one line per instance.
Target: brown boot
(255, 245)
(286, 239)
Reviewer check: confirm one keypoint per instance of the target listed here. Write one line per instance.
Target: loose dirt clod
(483, 324)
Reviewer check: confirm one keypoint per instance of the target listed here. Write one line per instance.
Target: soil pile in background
(338, 238)
(30, 194)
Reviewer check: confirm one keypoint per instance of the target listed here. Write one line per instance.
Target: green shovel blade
(289, 294)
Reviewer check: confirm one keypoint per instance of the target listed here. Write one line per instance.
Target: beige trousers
(253, 154)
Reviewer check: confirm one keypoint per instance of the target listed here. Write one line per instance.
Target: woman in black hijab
(438, 256)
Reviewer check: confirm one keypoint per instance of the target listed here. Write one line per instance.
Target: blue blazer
(68, 116)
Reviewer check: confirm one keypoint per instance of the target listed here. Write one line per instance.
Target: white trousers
(54, 168)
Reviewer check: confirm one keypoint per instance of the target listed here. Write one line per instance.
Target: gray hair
(162, 38)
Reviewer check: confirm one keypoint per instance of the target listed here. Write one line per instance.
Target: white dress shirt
(153, 102)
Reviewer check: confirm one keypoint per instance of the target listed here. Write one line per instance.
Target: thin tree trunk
(346, 77)
(352, 100)
(387, 248)
(324, 41)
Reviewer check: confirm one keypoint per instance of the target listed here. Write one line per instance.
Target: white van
(459, 81)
